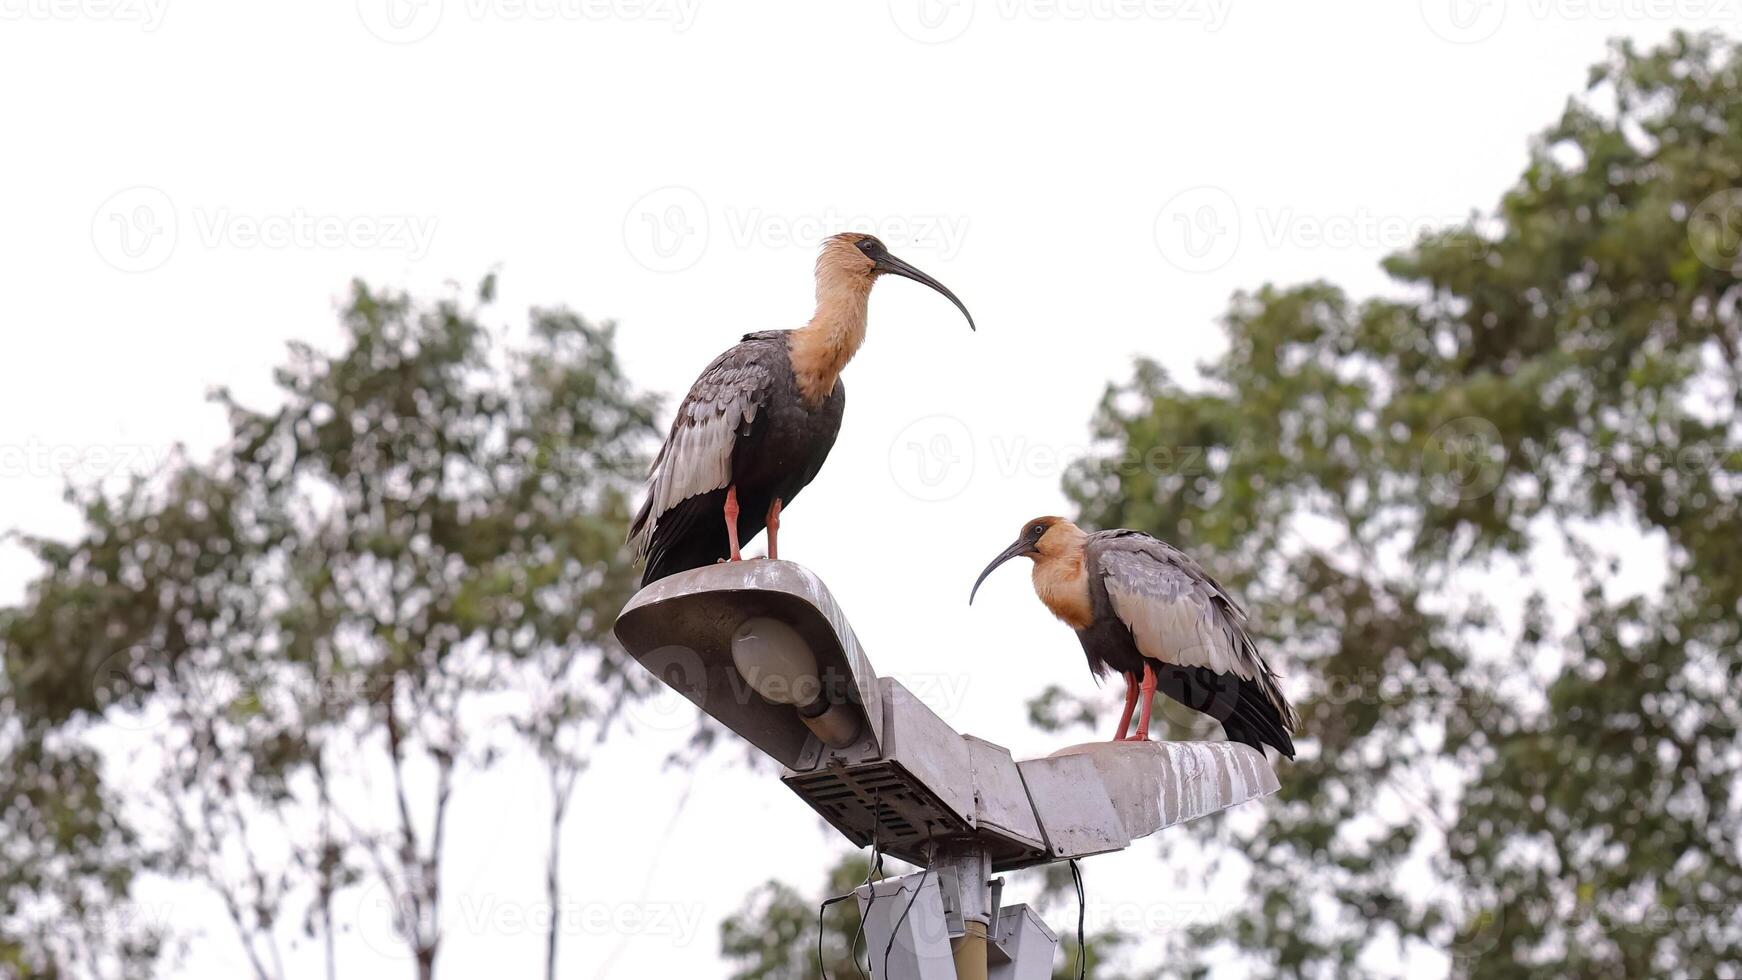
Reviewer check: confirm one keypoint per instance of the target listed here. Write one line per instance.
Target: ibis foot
(731, 512)
(1146, 693)
(1130, 703)
(774, 529)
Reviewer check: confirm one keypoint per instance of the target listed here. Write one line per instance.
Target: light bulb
(776, 661)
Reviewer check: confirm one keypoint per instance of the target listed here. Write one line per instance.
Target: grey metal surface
(1076, 815)
(927, 747)
(911, 780)
(967, 863)
(921, 950)
(879, 802)
(921, 789)
(1021, 947)
(680, 628)
(1006, 819)
(1153, 785)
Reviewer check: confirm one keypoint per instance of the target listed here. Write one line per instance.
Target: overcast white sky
(191, 184)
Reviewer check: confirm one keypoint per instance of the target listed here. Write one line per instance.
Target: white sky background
(1038, 157)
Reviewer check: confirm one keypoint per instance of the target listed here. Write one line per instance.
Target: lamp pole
(764, 649)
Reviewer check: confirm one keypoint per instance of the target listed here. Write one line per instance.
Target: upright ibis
(757, 425)
(1145, 609)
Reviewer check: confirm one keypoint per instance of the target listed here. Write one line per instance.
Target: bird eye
(1037, 530)
(867, 245)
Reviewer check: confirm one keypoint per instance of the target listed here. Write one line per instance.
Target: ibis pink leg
(1130, 703)
(774, 528)
(732, 521)
(1147, 693)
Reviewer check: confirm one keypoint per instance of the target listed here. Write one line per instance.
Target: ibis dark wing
(1178, 613)
(718, 411)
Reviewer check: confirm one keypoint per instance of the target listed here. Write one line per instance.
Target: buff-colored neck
(821, 348)
(1060, 578)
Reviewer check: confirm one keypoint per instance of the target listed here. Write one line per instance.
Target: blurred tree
(67, 865)
(774, 936)
(1492, 531)
(416, 555)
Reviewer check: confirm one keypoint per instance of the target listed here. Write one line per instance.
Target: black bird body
(778, 443)
(756, 426)
(1142, 608)
(1210, 679)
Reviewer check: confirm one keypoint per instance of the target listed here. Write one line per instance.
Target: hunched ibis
(1145, 609)
(757, 425)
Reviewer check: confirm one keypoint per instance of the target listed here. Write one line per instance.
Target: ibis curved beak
(1021, 547)
(891, 264)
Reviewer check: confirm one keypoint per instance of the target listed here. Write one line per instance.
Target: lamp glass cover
(776, 661)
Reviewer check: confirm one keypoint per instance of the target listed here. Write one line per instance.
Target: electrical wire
(930, 859)
(870, 875)
(1082, 911)
(821, 967)
(871, 899)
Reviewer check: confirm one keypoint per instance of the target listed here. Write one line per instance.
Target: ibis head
(855, 260)
(1044, 539)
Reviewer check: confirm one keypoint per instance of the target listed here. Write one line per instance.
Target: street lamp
(764, 649)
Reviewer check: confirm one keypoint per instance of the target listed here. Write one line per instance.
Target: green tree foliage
(1491, 532)
(412, 559)
(774, 936)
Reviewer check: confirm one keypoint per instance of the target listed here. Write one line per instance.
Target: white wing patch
(697, 455)
(1170, 616)
(1178, 614)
